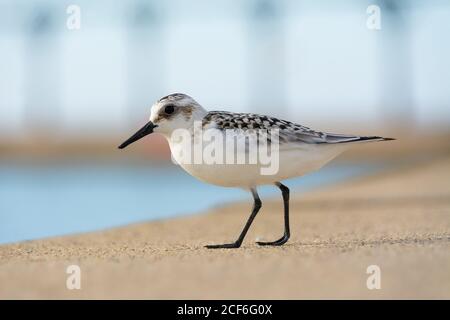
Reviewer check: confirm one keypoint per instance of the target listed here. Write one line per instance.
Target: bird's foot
(278, 242)
(224, 246)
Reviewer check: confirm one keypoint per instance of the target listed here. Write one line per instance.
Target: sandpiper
(297, 149)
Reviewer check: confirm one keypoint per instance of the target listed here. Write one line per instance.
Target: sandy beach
(398, 220)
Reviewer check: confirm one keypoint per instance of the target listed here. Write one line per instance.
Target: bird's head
(175, 111)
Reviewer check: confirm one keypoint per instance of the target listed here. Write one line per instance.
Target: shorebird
(300, 149)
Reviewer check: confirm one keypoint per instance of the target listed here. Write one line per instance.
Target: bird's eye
(169, 109)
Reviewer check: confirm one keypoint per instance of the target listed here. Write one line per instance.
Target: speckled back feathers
(288, 131)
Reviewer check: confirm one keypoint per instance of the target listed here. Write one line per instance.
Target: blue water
(39, 201)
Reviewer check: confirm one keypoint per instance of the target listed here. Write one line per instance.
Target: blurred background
(69, 95)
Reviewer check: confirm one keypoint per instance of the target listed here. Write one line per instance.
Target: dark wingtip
(376, 138)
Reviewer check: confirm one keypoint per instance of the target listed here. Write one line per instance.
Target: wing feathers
(289, 131)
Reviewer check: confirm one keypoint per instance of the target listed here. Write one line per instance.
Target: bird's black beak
(145, 130)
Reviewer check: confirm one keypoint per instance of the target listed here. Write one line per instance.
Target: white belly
(292, 162)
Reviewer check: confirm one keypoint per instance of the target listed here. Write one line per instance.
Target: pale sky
(331, 64)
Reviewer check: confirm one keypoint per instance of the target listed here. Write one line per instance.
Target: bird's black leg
(287, 233)
(256, 206)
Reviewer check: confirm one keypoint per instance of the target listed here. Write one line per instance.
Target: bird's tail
(338, 138)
